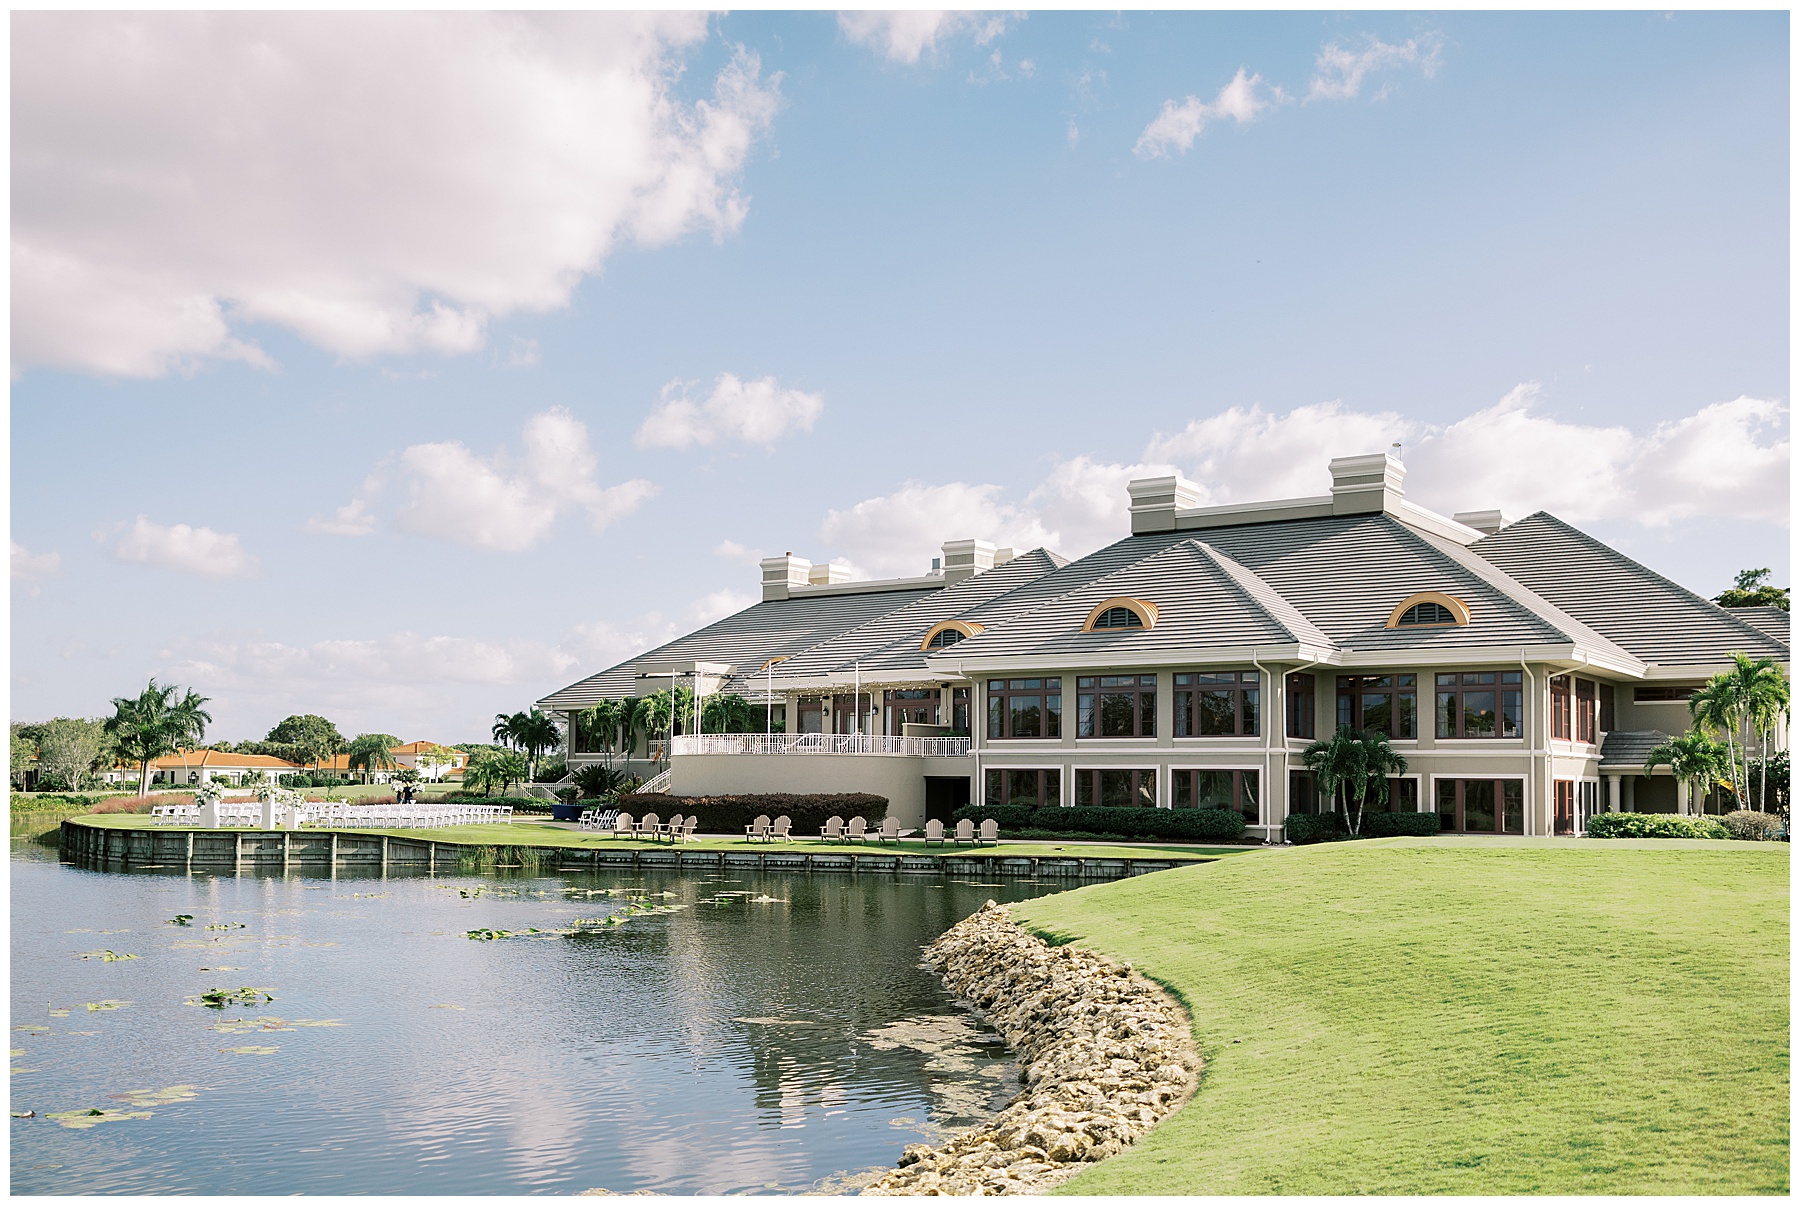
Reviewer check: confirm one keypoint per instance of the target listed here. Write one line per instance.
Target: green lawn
(1465, 1016)
(528, 833)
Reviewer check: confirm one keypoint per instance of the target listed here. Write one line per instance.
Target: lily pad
(221, 969)
(180, 919)
(456, 1007)
(105, 1006)
(249, 1050)
(81, 1120)
(219, 998)
(104, 957)
(155, 1097)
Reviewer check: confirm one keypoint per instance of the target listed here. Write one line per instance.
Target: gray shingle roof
(772, 628)
(1629, 748)
(1639, 609)
(1771, 620)
(1203, 599)
(891, 641)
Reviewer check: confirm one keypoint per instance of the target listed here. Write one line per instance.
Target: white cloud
(1341, 72)
(750, 412)
(898, 534)
(716, 606)
(1244, 454)
(376, 182)
(498, 502)
(352, 519)
(1178, 125)
(1727, 460)
(29, 569)
(184, 548)
(904, 37)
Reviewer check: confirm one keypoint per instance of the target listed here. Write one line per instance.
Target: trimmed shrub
(1399, 824)
(34, 801)
(1179, 823)
(730, 814)
(1303, 829)
(1652, 825)
(1748, 826)
(299, 781)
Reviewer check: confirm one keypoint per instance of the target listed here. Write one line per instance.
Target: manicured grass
(1466, 1016)
(527, 833)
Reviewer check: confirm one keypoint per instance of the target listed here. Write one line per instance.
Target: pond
(676, 1032)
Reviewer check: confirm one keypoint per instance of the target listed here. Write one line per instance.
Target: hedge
(1400, 824)
(732, 814)
(1303, 829)
(1653, 825)
(1749, 826)
(1214, 823)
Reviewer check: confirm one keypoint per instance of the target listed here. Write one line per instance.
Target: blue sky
(408, 371)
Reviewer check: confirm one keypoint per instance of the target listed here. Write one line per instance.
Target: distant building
(191, 768)
(434, 767)
(1522, 668)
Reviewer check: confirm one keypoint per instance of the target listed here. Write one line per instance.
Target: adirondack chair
(651, 824)
(687, 830)
(858, 830)
(832, 830)
(934, 832)
(671, 829)
(780, 833)
(758, 831)
(990, 833)
(624, 824)
(965, 832)
(890, 830)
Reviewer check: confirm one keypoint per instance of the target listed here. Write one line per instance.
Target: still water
(730, 1033)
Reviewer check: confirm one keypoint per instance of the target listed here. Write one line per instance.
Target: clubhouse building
(1523, 668)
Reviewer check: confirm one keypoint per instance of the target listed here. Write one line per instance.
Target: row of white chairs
(343, 814)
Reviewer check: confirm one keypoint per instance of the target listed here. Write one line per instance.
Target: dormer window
(1116, 614)
(948, 633)
(1430, 609)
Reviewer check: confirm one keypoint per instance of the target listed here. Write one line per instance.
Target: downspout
(1268, 737)
(1532, 750)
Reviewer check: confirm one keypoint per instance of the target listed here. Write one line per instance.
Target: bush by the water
(1653, 825)
(1185, 823)
(730, 814)
(1749, 826)
(38, 801)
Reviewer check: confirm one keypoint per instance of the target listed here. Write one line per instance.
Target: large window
(1115, 788)
(1116, 705)
(1231, 789)
(1586, 700)
(1481, 805)
(1559, 707)
(1300, 705)
(1662, 694)
(1024, 707)
(1220, 703)
(1606, 708)
(1303, 793)
(1482, 703)
(914, 706)
(1386, 703)
(1038, 788)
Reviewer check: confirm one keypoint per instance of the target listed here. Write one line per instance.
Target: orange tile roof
(195, 759)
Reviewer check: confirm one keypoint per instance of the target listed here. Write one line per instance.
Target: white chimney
(1154, 501)
(1002, 556)
(782, 574)
(828, 574)
(1366, 484)
(963, 559)
(1485, 522)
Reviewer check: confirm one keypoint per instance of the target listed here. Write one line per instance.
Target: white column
(1612, 792)
(1681, 796)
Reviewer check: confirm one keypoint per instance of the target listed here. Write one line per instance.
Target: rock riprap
(1107, 1056)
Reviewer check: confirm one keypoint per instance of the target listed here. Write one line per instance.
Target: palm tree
(725, 713)
(372, 752)
(1748, 698)
(1353, 764)
(1719, 706)
(533, 731)
(156, 723)
(1693, 758)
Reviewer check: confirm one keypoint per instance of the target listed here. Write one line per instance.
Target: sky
(405, 368)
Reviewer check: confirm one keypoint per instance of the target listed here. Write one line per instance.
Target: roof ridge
(1237, 571)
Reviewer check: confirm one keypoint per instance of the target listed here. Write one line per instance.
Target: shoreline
(1107, 1056)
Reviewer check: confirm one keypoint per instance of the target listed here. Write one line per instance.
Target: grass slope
(1468, 1016)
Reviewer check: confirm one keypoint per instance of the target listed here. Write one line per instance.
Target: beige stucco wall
(901, 780)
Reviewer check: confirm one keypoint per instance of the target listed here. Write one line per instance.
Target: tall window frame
(1561, 707)
(1024, 708)
(1464, 804)
(1115, 705)
(1037, 786)
(1235, 789)
(1379, 703)
(1481, 704)
(1218, 703)
(1587, 703)
(1301, 708)
(1115, 787)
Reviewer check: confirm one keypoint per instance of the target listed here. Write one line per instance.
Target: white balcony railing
(820, 743)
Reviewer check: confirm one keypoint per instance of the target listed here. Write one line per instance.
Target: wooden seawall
(104, 848)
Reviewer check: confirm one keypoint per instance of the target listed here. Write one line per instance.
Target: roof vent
(1485, 522)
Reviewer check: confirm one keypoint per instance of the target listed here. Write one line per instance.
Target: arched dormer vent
(1430, 609)
(1120, 613)
(946, 634)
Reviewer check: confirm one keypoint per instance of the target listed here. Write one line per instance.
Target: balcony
(820, 743)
